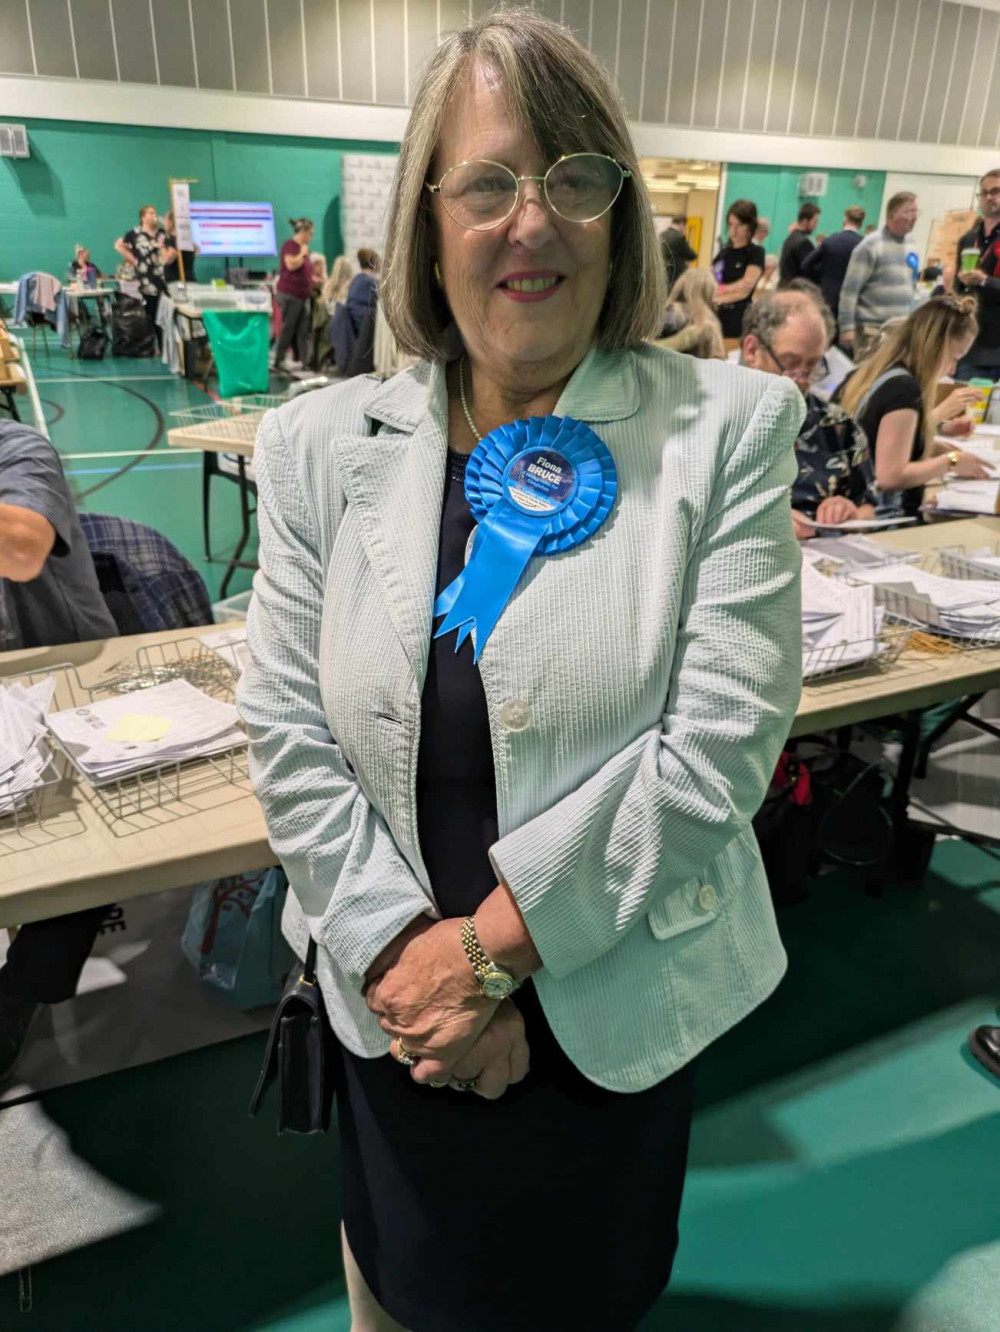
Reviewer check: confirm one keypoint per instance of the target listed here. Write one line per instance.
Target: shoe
(16, 1017)
(271, 358)
(984, 1043)
(291, 365)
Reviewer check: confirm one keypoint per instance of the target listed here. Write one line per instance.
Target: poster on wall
(946, 232)
(366, 189)
(180, 201)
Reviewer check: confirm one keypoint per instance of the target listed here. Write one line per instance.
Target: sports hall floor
(845, 1160)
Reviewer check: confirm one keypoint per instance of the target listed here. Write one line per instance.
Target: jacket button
(707, 897)
(515, 715)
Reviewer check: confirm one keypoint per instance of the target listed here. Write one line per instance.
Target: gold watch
(953, 457)
(494, 982)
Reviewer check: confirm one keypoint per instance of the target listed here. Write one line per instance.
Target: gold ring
(403, 1055)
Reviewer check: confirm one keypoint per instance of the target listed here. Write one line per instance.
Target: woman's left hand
(429, 997)
(836, 509)
(961, 428)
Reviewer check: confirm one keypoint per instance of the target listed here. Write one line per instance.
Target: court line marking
(109, 379)
(125, 453)
(113, 471)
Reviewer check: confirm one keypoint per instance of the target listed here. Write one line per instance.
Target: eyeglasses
(995, 189)
(813, 375)
(580, 187)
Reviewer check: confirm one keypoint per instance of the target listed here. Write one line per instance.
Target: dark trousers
(295, 326)
(45, 960)
(152, 303)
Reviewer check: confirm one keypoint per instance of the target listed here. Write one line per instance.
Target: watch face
(497, 985)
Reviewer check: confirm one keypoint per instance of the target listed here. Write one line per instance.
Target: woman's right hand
(957, 402)
(499, 1058)
(971, 468)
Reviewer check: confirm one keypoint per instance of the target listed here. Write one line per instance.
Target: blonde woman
(526, 860)
(336, 286)
(694, 325)
(891, 396)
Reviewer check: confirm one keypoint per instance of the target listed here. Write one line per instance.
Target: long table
(96, 866)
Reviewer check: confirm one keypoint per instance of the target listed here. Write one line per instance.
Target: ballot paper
(25, 756)
(848, 550)
(961, 607)
(855, 524)
(839, 623)
(984, 561)
(969, 497)
(231, 646)
(129, 733)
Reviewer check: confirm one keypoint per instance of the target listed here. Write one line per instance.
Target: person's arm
(812, 264)
(894, 467)
(687, 253)
(955, 405)
(575, 879)
(26, 541)
(125, 252)
(294, 261)
(731, 292)
(340, 857)
(859, 270)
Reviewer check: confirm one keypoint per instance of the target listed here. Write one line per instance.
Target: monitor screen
(233, 228)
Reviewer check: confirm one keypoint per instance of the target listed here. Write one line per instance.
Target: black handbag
(302, 1055)
(93, 345)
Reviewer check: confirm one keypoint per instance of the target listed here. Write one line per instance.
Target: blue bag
(233, 936)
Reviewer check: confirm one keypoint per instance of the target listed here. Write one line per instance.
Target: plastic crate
(232, 609)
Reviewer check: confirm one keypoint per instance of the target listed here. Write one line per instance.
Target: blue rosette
(535, 487)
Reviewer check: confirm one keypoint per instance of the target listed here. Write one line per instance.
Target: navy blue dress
(553, 1208)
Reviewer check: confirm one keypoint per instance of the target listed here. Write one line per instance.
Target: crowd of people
(873, 449)
(535, 882)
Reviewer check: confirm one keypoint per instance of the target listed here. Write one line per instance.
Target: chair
(35, 322)
(146, 582)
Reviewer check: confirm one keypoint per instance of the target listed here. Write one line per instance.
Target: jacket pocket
(694, 904)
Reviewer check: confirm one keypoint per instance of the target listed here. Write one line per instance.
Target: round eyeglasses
(580, 187)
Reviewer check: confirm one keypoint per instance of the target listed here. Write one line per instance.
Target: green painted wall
(775, 191)
(84, 183)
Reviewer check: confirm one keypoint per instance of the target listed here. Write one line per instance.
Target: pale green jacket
(660, 666)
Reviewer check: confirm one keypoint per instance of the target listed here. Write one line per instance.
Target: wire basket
(234, 421)
(918, 612)
(159, 794)
(47, 814)
(957, 563)
(879, 652)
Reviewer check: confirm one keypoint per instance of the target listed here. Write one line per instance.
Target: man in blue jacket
(827, 264)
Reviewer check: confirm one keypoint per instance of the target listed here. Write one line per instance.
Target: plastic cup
(970, 260)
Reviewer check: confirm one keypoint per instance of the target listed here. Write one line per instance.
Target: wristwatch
(953, 458)
(494, 982)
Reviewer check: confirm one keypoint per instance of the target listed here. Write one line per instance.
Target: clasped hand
(424, 992)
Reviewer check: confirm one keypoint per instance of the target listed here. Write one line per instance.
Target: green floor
(845, 1166)
(122, 407)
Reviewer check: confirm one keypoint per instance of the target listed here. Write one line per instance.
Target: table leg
(236, 562)
(11, 399)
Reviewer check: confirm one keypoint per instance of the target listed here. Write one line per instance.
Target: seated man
(48, 595)
(787, 333)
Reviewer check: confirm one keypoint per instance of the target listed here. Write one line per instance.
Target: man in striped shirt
(879, 282)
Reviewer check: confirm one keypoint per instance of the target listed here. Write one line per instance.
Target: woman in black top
(891, 396)
(145, 248)
(172, 267)
(738, 267)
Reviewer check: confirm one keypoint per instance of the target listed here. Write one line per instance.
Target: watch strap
(479, 960)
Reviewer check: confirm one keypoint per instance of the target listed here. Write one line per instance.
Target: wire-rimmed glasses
(811, 374)
(481, 194)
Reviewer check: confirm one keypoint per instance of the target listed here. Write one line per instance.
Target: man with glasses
(983, 278)
(787, 332)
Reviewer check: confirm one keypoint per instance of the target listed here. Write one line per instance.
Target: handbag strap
(309, 965)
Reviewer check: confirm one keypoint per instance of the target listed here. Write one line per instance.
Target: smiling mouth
(532, 284)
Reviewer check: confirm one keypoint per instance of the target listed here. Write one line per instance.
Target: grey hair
(568, 103)
(764, 316)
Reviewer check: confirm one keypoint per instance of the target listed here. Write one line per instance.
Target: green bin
(240, 341)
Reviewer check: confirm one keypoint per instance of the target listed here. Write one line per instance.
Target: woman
(572, 815)
(364, 285)
(891, 396)
(338, 283)
(294, 295)
(319, 344)
(690, 324)
(769, 282)
(144, 248)
(172, 268)
(738, 267)
(82, 268)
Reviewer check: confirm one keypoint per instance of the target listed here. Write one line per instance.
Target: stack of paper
(985, 561)
(849, 550)
(132, 732)
(961, 607)
(231, 646)
(839, 624)
(969, 497)
(24, 753)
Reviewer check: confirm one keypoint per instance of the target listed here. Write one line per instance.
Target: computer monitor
(233, 228)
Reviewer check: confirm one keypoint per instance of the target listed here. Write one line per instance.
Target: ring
(403, 1055)
(466, 1084)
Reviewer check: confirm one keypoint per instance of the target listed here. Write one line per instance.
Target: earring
(437, 275)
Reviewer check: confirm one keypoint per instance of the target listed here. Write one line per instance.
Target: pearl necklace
(465, 405)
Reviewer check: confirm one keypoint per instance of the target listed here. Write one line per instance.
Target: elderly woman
(525, 854)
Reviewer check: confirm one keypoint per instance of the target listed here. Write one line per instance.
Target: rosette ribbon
(535, 487)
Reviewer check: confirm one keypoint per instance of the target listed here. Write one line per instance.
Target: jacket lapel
(394, 481)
